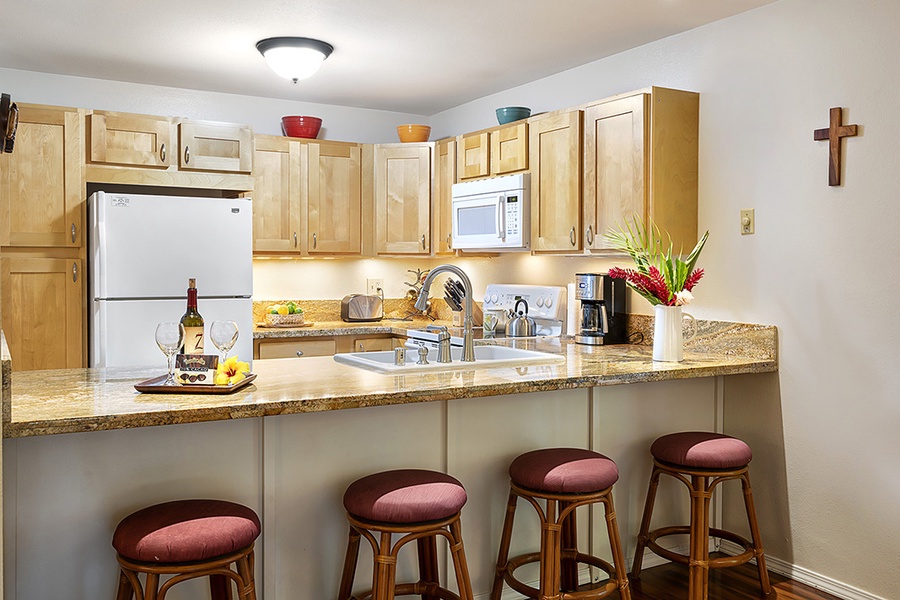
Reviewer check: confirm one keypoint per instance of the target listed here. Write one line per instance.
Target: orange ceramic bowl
(413, 133)
(300, 126)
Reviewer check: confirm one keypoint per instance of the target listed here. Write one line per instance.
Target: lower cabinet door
(42, 312)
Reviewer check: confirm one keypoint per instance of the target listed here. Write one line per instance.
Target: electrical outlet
(748, 222)
(374, 287)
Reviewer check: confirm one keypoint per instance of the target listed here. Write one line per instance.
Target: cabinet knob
(74, 271)
(162, 153)
(73, 233)
(572, 235)
(187, 154)
(589, 235)
(299, 352)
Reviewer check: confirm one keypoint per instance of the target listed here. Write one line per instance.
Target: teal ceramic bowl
(508, 114)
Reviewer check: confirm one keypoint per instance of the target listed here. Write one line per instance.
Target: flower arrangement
(231, 371)
(659, 275)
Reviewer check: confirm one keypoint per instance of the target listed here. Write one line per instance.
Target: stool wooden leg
(550, 553)
(645, 524)
(698, 565)
(125, 591)
(764, 584)
(458, 553)
(428, 566)
(615, 544)
(568, 550)
(505, 538)
(219, 587)
(151, 587)
(385, 570)
(245, 570)
(350, 559)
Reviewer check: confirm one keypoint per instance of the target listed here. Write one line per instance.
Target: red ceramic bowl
(301, 127)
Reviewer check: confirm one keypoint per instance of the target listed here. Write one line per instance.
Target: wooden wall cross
(833, 134)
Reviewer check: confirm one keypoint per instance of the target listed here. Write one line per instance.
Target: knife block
(458, 316)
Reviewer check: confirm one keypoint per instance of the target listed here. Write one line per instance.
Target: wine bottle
(192, 322)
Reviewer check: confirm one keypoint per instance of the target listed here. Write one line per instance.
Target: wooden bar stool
(701, 461)
(418, 505)
(187, 539)
(564, 478)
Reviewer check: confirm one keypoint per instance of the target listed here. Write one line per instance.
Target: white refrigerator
(143, 250)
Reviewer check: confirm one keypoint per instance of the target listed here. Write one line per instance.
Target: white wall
(820, 267)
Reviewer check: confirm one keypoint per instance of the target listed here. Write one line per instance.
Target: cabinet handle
(450, 241)
(73, 233)
(299, 352)
(590, 235)
(423, 241)
(295, 239)
(572, 235)
(162, 153)
(315, 241)
(75, 272)
(187, 154)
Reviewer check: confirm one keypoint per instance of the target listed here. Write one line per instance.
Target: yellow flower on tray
(231, 371)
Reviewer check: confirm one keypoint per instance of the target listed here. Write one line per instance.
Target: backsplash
(330, 310)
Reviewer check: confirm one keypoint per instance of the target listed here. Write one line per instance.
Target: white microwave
(492, 214)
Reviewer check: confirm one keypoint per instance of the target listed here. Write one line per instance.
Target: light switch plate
(748, 221)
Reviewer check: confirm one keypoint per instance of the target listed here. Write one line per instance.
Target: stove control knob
(540, 301)
(487, 298)
(548, 302)
(493, 298)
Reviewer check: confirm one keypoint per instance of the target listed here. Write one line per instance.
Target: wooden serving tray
(286, 325)
(155, 386)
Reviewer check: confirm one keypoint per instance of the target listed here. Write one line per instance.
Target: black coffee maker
(602, 301)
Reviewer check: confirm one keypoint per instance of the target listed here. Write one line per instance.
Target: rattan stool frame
(384, 586)
(700, 484)
(217, 569)
(559, 556)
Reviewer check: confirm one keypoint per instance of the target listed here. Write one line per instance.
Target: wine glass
(224, 334)
(169, 338)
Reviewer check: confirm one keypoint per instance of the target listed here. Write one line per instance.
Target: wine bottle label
(193, 340)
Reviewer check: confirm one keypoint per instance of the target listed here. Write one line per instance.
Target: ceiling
(413, 56)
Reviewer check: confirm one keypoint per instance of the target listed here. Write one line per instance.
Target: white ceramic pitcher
(668, 336)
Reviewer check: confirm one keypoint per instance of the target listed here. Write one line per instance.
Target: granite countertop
(82, 400)
(331, 328)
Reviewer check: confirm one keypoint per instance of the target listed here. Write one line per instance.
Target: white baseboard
(810, 578)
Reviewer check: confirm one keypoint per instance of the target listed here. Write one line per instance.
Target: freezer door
(149, 246)
(122, 331)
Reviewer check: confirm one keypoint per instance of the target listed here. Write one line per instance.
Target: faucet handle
(423, 356)
(443, 333)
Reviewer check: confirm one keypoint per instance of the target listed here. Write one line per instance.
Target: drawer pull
(299, 352)
(162, 153)
(187, 155)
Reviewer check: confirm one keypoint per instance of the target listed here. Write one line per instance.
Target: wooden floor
(669, 582)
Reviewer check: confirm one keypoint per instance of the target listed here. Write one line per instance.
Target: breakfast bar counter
(80, 400)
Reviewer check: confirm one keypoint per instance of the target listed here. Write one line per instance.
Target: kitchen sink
(485, 357)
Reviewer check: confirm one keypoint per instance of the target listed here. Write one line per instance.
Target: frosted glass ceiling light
(294, 58)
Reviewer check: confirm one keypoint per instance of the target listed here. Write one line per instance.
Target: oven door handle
(501, 216)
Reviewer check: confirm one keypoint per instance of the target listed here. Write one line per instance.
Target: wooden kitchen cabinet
(403, 174)
(444, 178)
(555, 149)
(214, 146)
(640, 159)
(497, 151)
(276, 195)
(331, 197)
(133, 140)
(42, 312)
(41, 183)
(307, 347)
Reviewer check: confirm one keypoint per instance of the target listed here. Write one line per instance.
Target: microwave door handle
(501, 217)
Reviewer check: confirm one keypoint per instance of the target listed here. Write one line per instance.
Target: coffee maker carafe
(602, 304)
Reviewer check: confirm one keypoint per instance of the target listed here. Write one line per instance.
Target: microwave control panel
(513, 210)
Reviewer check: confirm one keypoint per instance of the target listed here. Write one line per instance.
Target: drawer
(295, 348)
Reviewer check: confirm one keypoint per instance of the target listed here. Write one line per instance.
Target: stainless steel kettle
(520, 324)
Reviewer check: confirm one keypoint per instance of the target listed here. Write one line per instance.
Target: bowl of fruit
(284, 315)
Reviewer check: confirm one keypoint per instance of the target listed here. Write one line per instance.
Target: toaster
(359, 307)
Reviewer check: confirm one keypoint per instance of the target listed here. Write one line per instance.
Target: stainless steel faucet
(468, 354)
(443, 337)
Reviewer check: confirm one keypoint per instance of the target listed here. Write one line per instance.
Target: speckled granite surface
(6, 371)
(80, 400)
(330, 310)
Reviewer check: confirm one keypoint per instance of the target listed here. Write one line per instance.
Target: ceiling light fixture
(294, 58)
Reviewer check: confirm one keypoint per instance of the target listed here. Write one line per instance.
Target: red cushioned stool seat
(418, 505)
(188, 539)
(564, 479)
(701, 461)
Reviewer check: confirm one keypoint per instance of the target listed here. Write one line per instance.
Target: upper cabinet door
(42, 182)
(615, 169)
(211, 146)
(555, 148)
(276, 195)
(509, 149)
(474, 155)
(403, 199)
(134, 140)
(333, 198)
(444, 178)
